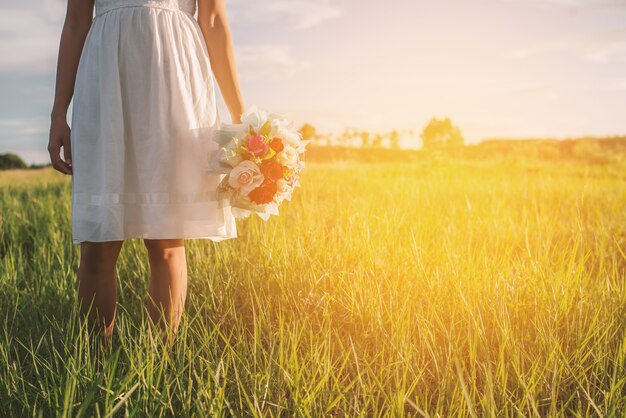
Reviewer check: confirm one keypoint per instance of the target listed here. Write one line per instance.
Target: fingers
(59, 164)
(54, 149)
(67, 153)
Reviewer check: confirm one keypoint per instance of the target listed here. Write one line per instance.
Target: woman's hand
(60, 137)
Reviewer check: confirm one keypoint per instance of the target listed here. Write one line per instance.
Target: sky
(497, 68)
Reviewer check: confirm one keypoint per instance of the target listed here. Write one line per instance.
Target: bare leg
(97, 285)
(168, 284)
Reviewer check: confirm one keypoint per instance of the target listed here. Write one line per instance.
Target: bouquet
(261, 158)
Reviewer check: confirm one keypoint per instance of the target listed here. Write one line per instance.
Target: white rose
(289, 136)
(288, 156)
(278, 122)
(284, 189)
(302, 146)
(254, 117)
(245, 176)
(282, 186)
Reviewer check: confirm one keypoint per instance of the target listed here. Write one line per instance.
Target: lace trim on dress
(187, 6)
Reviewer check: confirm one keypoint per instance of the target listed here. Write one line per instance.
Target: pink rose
(245, 176)
(257, 146)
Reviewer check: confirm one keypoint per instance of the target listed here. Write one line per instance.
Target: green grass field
(431, 288)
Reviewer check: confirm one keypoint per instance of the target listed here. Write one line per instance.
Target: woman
(144, 112)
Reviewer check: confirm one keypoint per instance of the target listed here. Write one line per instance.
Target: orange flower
(272, 169)
(276, 144)
(264, 193)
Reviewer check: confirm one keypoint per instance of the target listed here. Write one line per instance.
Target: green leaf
(266, 128)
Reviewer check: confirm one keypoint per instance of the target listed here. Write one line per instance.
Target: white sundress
(143, 118)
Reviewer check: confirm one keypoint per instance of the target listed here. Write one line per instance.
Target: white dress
(143, 118)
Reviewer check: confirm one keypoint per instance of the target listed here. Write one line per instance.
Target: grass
(431, 288)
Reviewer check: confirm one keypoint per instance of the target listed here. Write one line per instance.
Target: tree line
(438, 133)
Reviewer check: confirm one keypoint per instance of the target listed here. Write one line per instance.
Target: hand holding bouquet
(262, 158)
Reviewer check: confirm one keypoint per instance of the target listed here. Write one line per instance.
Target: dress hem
(214, 238)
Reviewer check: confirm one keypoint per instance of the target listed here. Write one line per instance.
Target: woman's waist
(188, 6)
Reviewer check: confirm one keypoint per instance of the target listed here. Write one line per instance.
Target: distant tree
(36, 166)
(308, 131)
(349, 136)
(394, 139)
(377, 142)
(10, 161)
(441, 132)
(365, 138)
(323, 139)
(344, 137)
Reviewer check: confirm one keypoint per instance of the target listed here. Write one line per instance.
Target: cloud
(30, 34)
(534, 90)
(267, 62)
(298, 14)
(576, 5)
(14, 128)
(586, 3)
(607, 46)
(609, 53)
(25, 136)
(538, 49)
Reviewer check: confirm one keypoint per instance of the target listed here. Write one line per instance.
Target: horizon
(498, 68)
(515, 143)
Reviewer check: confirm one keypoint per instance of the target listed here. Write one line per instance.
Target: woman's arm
(214, 24)
(77, 23)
